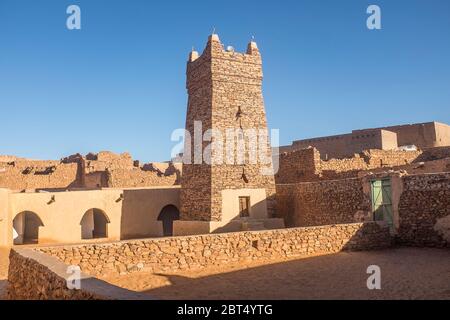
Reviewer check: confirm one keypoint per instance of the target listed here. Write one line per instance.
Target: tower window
(244, 207)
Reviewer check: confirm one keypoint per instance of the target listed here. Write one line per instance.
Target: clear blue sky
(119, 83)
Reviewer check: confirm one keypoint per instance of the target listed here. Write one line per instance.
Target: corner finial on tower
(252, 48)
(214, 36)
(193, 55)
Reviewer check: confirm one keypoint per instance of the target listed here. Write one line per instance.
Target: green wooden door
(382, 201)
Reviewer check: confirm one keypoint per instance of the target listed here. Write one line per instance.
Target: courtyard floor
(406, 273)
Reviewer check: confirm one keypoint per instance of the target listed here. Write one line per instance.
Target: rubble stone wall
(22, 174)
(323, 202)
(306, 165)
(424, 210)
(194, 252)
(36, 276)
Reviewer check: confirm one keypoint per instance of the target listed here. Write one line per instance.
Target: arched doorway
(26, 228)
(94, 224)
(167, 215)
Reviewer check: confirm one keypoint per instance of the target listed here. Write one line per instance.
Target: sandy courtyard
(406, 273)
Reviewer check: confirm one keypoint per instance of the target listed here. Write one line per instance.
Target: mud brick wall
(424, 210)
(36, 276)
(196, 252)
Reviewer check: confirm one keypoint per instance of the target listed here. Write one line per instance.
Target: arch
(94, 224)
(26, 226)
(167, 215)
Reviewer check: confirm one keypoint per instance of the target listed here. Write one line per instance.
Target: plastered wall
(131, 213)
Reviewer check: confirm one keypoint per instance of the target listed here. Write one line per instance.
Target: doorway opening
(244, 207)
(167, 215)
(382, 201)
(26, 228)
(94, 224)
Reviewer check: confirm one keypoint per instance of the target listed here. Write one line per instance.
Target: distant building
(422, 135)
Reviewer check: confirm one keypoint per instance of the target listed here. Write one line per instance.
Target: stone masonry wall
(36, 276)
(322, 203)
(195, 252)
(424, 210)
(104, 169)
(306, 165)
(224, 89)
(22, 174)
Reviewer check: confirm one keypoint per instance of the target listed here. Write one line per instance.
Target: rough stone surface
(424, 210)
(321, 203)
(196, 252)
(104, 169)
(225, 92)
(306, 165)
(36, 276)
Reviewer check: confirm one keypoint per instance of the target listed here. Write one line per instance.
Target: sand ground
(4, 261)
(406, 273)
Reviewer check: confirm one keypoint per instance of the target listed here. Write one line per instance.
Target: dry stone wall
(195, 252)
(25, 174)
(36, 276)
(104, 169)
(424, 210)
(306, 165)
(323, 202)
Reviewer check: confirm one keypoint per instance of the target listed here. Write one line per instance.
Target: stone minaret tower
(224, 89)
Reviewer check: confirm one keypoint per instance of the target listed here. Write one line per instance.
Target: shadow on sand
(407, 273)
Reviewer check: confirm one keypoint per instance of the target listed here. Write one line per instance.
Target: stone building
(224, 93)
(422, 135)
(108, 197)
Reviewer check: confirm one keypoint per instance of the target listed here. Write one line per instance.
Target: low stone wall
(37, 276)
(195, 252)
(424, 210)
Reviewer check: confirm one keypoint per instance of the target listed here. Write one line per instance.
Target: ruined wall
(36, 276)
(195, 252)
(101, 170)
(299, 165)
(152, 174)
(306, 165)
(431, 154)
(110, 170)
(33, 174)
(424, 210)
